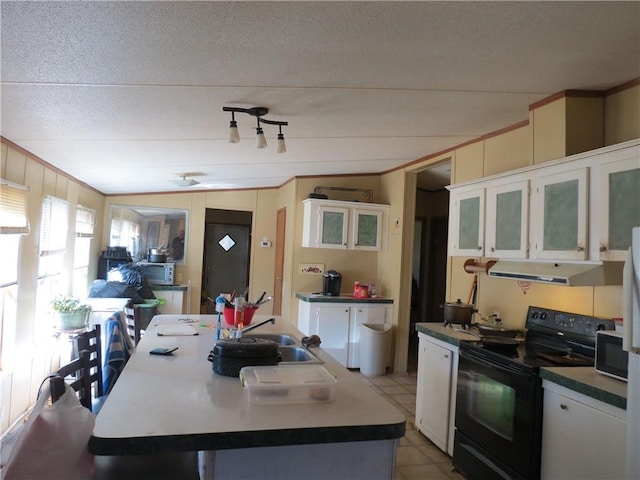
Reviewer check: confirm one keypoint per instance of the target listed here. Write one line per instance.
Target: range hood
(569, 274)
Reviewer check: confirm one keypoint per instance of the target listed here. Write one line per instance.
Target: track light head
(258, 112)
(282, 147)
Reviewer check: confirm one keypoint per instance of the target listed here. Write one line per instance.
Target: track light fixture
(259, 113)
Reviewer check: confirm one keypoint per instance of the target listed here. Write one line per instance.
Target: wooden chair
(76, 375)
(133, 323)
(91, 342)
(178, 465)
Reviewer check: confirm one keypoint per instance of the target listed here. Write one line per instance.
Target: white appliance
(631, 343)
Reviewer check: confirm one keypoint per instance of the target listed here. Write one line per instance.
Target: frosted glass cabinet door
(507, 220)
(333, 227)
(367, 231)
(559, 216)
(467, 223)
(619, 184)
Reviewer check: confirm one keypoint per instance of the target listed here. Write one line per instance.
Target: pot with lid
(458, 313)
(157, 255)
(229, 356)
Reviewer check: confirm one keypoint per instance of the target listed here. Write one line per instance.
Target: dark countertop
(168, 287)
(445, 333)
(319, 298)
(587, 381)
(583, 380)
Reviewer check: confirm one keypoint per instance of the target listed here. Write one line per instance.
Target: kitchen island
(177, 403)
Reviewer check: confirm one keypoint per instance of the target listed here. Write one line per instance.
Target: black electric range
(499, 399)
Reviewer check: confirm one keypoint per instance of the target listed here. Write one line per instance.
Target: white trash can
(375, 343)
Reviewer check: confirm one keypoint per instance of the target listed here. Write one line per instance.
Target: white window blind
(54, 226)
(13, 209)
(85, 219)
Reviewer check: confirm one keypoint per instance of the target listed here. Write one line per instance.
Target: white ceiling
(127, 95)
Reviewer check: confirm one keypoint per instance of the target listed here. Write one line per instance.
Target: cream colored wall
(549, 131)
(33, 355)
(507, 151)
(585, 124)
(622, 116)
(287, 200)
(467, 163)
(262, 203)
(397, 258)
(354, 265)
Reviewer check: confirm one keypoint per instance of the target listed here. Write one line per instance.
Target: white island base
(371, 460)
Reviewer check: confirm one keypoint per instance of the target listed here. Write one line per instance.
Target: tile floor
(417, 457)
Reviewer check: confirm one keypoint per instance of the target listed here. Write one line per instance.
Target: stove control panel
(539, 318)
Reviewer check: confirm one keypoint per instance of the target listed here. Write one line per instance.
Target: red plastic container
(248, 316)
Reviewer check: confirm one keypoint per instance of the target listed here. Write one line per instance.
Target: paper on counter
(175, 330)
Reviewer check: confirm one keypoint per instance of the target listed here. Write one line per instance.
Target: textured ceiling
(127, 95)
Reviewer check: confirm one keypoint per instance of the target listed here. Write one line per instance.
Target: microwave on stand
(158, 273)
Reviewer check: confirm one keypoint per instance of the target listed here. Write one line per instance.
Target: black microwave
(158, 273)
(611, 359)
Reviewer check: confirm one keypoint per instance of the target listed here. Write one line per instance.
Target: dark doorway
(227, 251)
(436, 273)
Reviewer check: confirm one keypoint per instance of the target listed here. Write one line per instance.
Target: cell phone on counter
(163, 351)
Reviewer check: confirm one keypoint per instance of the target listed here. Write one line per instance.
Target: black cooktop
(554, 339)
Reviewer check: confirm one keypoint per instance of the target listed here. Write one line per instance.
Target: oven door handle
(478, 358)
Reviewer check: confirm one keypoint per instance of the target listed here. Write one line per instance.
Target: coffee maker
(332, 281)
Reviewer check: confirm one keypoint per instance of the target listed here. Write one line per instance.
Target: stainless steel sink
(296, 354)
(289, 348)
(279, 338)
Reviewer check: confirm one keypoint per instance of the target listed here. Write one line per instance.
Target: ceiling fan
(183, 181)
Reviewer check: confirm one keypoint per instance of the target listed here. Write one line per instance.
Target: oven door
(498, 408)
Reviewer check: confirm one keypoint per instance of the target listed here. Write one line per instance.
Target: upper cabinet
(508, 220)
(577, 208)
(344, 225)
(466, 223)
(617, 201)
(559, 215)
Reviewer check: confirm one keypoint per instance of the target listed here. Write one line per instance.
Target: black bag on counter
(132, 275)
(104, 289)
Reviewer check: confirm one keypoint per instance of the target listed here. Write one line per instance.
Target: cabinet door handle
(492, 249)
(446, 355)
(580, 249)
(479, 247)
(563, 407)
(603, 248)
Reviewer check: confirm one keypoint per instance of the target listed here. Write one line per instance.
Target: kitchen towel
(117, 352)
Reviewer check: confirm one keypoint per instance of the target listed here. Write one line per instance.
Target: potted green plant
(69, 312)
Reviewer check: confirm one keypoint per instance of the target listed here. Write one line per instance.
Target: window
(54, 228)
(85, 219)
(13, 224)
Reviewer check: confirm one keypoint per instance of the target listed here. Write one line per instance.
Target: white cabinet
(466, 223)
(174, 301)
(576, 208)
(616, 200)
(344, 225)
(507, 220)
(559, 215)
(581, 437)
(338, 326)
(436, 391)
